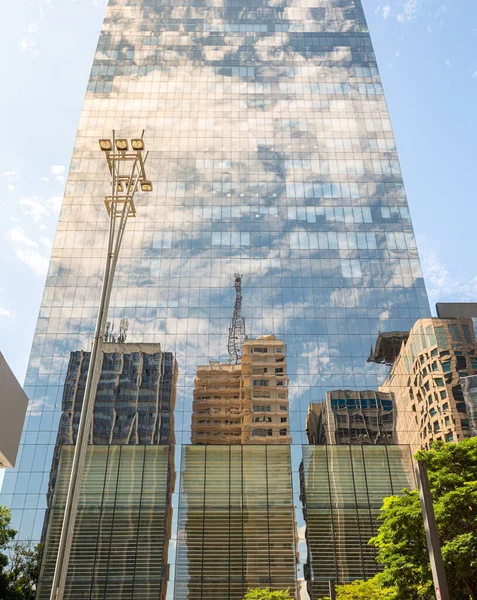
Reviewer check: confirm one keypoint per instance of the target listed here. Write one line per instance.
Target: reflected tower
(272, 155)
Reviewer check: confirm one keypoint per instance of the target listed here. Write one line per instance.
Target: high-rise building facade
(271, 155)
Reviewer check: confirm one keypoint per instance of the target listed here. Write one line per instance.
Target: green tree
(364, 590)
(267, 594)
(19, 563)
(401, 539)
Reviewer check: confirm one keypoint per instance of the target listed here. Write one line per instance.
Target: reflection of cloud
(28, 251)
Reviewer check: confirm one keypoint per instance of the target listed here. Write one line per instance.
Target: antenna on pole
(237, 328)
(123, 329)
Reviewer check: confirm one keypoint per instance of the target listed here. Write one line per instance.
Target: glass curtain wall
(271, 156)
(123, 526)
(342, 490)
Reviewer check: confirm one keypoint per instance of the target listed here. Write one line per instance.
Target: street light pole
(432, 537)
(120, 206)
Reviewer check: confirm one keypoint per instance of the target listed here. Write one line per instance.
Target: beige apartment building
(425, 380)
(245, 403)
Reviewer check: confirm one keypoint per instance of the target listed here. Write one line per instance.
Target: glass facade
(271, 156)
(342, 491)
(123, 524)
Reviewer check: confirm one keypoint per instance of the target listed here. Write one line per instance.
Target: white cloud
(28, 251)
(409, 11)
(28, 46)
(9, 173)
(10, 187)
(384, 11)
(443, 284)
(55, 203)
(6, 314)
(58, 171)
(448, 63)
(38, 209)
(34, 207)
(474, 74)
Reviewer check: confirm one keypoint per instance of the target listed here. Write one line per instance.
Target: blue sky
(427, 54)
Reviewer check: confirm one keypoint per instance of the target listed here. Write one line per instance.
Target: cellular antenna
(237, 328)
(123, 330)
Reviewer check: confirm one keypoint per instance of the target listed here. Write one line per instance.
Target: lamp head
(105, 145)
(122, 145)
(146, 186)
(137, 144)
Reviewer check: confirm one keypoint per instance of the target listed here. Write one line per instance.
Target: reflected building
(352, 417)
(123, 527)
(244, 403)
(425, 379)
(217, 407)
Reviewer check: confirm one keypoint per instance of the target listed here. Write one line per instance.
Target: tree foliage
(267, 594)
(364, 590)
(401, 538)
(19, 563)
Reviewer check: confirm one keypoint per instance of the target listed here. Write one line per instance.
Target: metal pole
(94, 372)
(332, 590)
(432, 538)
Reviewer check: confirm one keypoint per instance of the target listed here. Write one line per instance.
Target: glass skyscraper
(271, 155)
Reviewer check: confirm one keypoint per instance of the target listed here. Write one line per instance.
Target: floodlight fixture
(105, 145)
(146, 186)
(122, 145)
(137, 144)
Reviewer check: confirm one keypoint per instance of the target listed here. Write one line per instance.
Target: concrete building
(425, 380)
(217, 406)
(245, 403)
(13, 406)
(352, 417)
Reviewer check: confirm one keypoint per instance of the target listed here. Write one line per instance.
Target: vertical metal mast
(120, 206)
(237, 328)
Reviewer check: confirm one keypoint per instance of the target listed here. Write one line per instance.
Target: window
(283, 407)
(283, 431)
(449, 437)
(262, 350)
(262, 408)
(441, 337)
(261, 382)
(465, 422)
(455, 333)
(263, 419)
(439, 381)
(447, 421)
(280, 349)
(443, 394)
(461, 363)
(445, 406)
(446, 366)
(283, 419)
(466, 330)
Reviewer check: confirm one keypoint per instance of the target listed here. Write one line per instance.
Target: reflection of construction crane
(237, 329)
